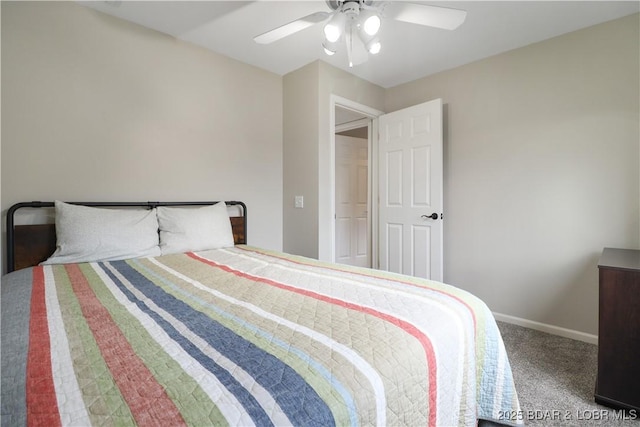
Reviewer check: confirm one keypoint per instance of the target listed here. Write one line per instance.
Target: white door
(352, 200)
(410, 190)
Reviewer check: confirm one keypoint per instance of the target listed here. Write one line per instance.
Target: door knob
(432, 216)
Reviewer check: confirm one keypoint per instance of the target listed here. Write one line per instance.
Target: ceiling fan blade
(422, 14)
(291, 28)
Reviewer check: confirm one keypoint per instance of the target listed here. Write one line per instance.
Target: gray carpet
(555, 378)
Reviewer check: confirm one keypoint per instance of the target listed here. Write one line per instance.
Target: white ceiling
(409, 51)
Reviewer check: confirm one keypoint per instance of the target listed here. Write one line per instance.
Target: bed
(189, 334)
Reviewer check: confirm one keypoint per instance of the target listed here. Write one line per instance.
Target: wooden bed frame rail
(29, 245)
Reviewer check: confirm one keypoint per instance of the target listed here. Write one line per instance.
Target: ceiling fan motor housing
(335, 4)
(351, 9)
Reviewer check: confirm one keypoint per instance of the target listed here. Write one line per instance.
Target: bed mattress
(244, 336)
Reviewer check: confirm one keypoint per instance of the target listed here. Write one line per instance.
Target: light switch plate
(299, 202)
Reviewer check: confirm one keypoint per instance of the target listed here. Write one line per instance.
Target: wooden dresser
(618, 381)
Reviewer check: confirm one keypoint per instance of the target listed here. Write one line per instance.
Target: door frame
(372, 137)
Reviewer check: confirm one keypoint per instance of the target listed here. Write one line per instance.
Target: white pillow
(85, 234)
(194, 229)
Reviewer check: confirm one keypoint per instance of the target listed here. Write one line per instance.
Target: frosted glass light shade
(372, 25)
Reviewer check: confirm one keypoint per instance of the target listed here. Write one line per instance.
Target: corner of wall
(300, 160)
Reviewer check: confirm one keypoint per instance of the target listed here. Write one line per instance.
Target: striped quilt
(241, 337)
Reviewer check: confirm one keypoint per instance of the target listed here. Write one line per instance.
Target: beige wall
(300, 154)
(95, 108)
(334, 81)
(541, 170)
(307, 151)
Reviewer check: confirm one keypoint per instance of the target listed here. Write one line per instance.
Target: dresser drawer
(618, 380)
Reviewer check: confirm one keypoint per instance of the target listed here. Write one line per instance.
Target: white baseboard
(551, 329)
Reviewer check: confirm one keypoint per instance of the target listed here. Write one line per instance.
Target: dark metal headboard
(28, 245)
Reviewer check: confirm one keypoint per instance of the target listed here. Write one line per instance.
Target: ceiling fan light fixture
(335, 27)
(374, 47)
(371, 24)
(332, 32)
(329, 48)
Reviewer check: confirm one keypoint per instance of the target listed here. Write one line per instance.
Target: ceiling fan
(357, 22)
